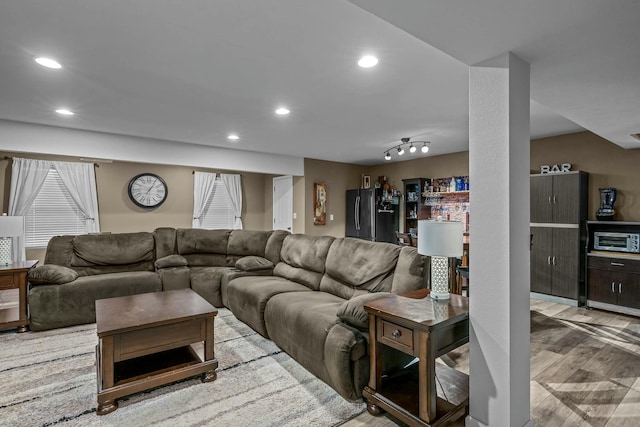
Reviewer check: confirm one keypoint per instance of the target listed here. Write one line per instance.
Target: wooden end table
(424, 328)
(14, 311)
(145, 342)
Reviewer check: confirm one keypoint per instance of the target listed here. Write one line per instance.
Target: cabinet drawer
(6, 281)
(615, 264)
(397, 336)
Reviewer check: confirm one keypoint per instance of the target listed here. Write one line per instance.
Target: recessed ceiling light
(233, 137)
(48, 62)
(368, 61)
(64, 112)
(282, 111)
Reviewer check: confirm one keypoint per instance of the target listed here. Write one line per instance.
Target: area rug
(49, 379)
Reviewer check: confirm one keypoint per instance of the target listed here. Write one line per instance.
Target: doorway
(283, 203)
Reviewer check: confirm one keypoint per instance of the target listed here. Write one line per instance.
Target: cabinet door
(541, 244)
(565, 260)
(541, 199)
(601, 287)
(566, 200)
(628, 287)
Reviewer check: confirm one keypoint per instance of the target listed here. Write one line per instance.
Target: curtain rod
(11, 158)
(217, 173)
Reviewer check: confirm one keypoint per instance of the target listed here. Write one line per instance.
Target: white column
(499, 256)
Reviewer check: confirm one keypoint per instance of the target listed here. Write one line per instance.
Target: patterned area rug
(49, 379)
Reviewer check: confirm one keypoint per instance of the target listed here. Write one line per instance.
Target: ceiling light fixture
(64, 112)
(368, 61)
(233, 137)
(48, 62)
(412, 147)
(282, 111)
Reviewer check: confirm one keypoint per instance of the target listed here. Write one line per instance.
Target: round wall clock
(148, 190)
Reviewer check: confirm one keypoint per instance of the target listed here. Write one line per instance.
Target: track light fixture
(412, 147)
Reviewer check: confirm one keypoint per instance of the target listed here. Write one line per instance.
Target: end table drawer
(6, 281)
(397, 336)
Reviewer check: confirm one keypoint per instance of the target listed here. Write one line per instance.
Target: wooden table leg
(209, 353)
(427, 369)
(105, 375)
(375, 365)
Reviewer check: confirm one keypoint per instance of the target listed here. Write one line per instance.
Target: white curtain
(233, 183)
(80, 181)
(27, 177)
(203, 186)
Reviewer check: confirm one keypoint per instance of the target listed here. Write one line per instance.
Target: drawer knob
(395, 333)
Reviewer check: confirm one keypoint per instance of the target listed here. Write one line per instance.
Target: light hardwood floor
(585, 369)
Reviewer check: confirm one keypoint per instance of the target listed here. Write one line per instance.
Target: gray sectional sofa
(305, 293)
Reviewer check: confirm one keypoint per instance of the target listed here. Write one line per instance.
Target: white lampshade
(11, 226)
(440, 238)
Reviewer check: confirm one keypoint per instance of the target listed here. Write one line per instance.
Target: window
(218, 212)
(52, 213)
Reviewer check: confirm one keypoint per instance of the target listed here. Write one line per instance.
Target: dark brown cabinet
(555, 255)
(559, 198)
(559, 204)
(614, 282)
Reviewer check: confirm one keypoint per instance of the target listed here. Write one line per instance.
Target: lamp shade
(440, 238)
(11, 226)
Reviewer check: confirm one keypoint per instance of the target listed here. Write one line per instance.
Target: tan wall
(119, 215)
(608, 166)
(339, 177)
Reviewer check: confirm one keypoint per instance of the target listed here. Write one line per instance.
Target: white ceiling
(194, 71)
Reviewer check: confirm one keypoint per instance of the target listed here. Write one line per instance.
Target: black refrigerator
(368, 218)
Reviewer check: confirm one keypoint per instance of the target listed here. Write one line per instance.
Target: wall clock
(148, 190)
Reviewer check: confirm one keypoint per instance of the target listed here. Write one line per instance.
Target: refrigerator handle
(373, 218)
(356, 215)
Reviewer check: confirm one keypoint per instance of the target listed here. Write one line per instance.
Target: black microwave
(616, 242)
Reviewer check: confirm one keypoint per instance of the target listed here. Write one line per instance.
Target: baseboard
(553, 298)
(612, 307)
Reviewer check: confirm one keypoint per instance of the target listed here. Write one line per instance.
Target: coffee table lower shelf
(151, 371)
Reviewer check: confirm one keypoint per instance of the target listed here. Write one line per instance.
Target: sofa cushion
(411, 271)
(51, 274)
(274, 245)
(247, 242)
(303, 259)
(253, 263)
(359, 264)
(206, 282)
(247, 297)
(299, 323)
(352, 312)
(200, 241)
(165, 238)
(59, 251)
(73, 303)
(171, 261)
(112, 249)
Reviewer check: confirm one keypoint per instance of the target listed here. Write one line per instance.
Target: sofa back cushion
(59, 251)
(359, 265)
(274, 245)
(411, 271)
(200, 241)
(165, 238)
(112, 253)
(247, 242)
(303, 259)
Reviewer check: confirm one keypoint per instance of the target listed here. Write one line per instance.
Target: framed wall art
(366, 181)
(319, 204)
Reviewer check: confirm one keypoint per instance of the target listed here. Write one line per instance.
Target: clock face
(147, 190)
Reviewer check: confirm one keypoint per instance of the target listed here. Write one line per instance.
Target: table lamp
(10, 227)
(440, 240)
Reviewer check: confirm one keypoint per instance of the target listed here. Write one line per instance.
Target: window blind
(52, 213)
(218, 212)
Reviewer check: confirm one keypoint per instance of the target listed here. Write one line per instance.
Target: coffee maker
(607, 199)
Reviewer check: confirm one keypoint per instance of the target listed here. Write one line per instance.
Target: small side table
(13, 311)
(424, 328)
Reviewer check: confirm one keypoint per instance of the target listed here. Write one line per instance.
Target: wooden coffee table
(145, 341)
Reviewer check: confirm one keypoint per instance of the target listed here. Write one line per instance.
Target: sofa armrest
(352, 311)
(253, 263)
(171, 261)
(344, 346)
(51, 274)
